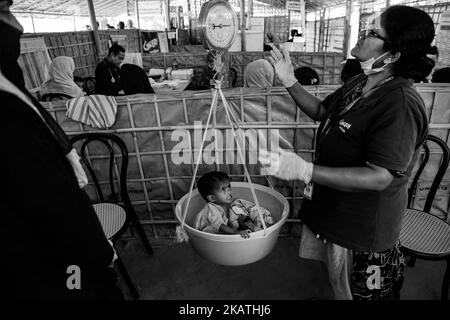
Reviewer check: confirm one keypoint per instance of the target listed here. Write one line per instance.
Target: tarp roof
(111, 8)
(103, 8)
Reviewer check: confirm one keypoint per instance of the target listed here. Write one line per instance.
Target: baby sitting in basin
(222, 213)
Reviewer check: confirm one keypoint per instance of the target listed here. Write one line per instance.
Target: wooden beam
(94, 27)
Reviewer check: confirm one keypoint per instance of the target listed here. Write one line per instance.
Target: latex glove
(74, 160)
(286, 165)
(283, 67)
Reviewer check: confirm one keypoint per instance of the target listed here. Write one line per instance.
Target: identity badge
(308, 191)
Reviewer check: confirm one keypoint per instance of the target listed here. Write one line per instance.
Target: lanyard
(332, 121)
(113, 80)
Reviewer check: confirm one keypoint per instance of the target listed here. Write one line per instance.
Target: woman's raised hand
(283, 67)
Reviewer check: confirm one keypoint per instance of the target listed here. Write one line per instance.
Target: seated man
(294, 33)
(107, 73)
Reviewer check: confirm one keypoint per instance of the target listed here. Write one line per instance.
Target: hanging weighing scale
(219, 26)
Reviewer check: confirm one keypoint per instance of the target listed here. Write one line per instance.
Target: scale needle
(220, 25)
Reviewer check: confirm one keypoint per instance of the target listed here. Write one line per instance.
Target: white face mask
(367, 65)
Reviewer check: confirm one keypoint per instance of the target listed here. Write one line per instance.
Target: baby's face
(223, 194)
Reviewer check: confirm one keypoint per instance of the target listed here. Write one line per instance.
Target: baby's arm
(228, 230)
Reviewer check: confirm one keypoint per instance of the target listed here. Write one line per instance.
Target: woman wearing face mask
(52, 243)
(367, 144)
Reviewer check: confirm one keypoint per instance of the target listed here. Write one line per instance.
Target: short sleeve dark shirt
(385, 128)
(107, 79)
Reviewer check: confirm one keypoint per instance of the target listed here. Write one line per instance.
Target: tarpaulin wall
(157, 128)
(327, 64)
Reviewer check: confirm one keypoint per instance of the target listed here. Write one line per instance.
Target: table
(170, 86)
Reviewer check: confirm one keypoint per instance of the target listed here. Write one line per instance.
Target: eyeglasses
(374, 34)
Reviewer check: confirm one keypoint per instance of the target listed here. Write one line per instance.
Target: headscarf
(134, 80)
(61, 78)
(259, 74)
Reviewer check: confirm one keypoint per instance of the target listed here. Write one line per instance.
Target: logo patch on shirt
(344, 126)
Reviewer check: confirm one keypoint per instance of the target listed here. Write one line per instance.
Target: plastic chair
(114, 215)
(424, 235)
(55, 96)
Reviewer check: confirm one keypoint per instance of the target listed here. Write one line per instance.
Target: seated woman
(134, 80)
(259, 74)
(441, 75)
(307, 76)
(61, 78)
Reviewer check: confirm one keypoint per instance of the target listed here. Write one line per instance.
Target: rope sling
(218, 65)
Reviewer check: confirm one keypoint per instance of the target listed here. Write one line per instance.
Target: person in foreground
(52, 244)
(224, 214)
(368, 141)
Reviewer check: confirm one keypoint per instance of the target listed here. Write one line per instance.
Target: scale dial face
(219, 25)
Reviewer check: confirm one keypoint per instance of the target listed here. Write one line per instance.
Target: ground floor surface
(176, 272)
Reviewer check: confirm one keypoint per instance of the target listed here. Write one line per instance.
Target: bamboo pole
(165, 157)
(347, 27)
(137, 155)
(315, 33)
(137, 15)
(322, 29)
(94, 28)
(167, 3)
(243, 44)
(289, 24)
(303, 16)
(32, 22)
